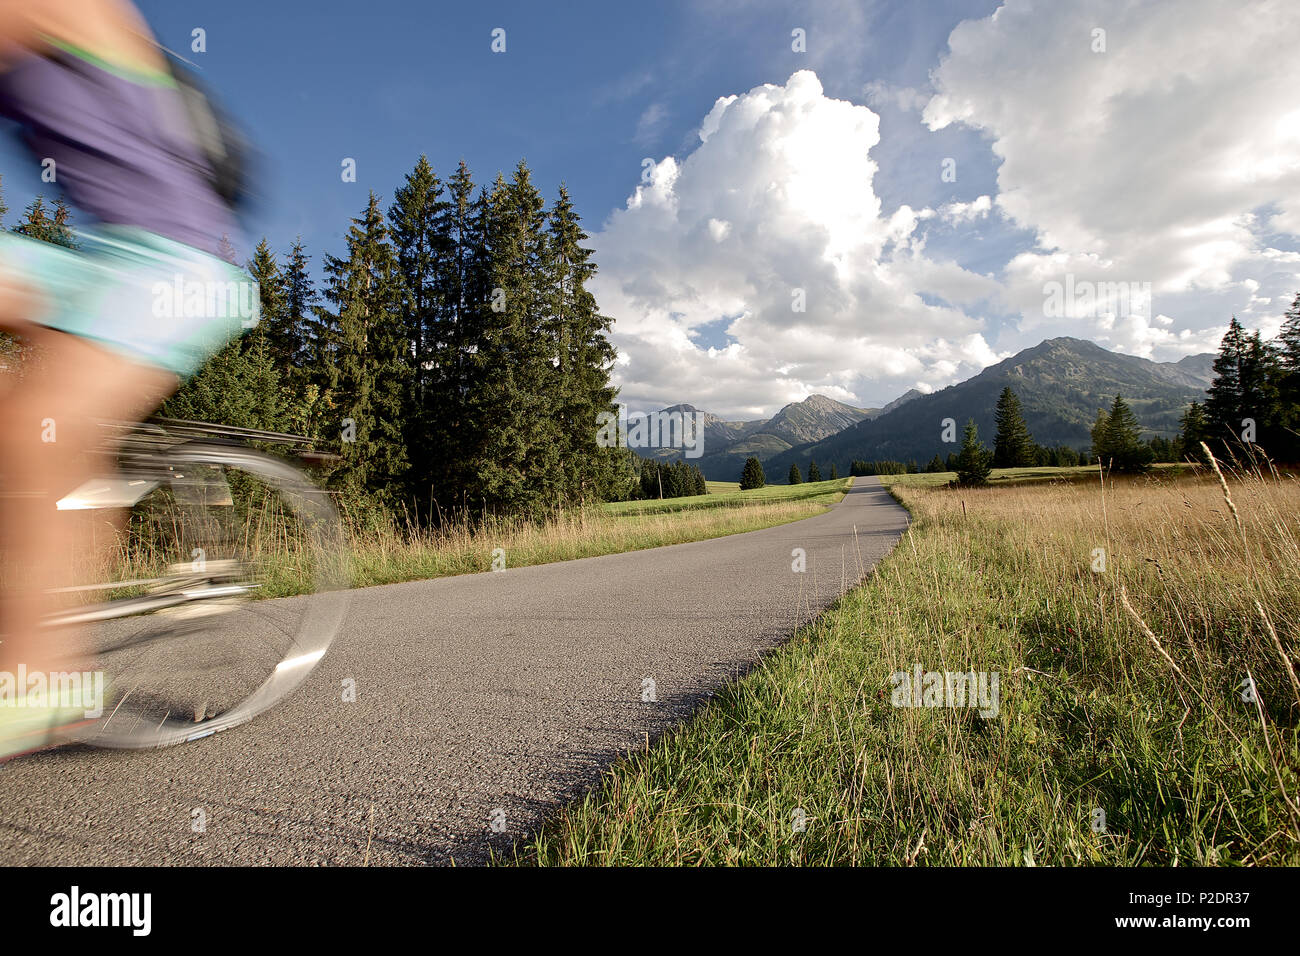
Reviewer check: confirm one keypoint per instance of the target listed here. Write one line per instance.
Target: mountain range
(795, 425)
(1061, 384)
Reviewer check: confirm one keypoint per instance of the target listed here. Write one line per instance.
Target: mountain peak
(1061, 383)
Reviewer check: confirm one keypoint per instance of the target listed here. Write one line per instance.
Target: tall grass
(394, 552)
(383, 549)
(1121, 692)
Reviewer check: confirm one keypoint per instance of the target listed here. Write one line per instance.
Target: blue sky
(916, 281)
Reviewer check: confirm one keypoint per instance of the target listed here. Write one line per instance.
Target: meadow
(1144, 632)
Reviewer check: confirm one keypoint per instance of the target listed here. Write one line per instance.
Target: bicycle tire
(316, 616)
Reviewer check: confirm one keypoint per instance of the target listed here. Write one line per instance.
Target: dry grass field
(1145, 633)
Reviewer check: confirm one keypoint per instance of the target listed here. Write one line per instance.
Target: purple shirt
(122, 150)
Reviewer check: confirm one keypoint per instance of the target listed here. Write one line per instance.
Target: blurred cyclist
(90, 90)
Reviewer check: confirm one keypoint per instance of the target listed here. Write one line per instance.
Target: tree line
(453, 355)
(659, 479)
(1255, 397)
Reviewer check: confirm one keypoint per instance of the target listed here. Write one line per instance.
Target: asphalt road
(482, 703)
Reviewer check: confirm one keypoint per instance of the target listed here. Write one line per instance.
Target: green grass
(392, 557)
(1119, 691)
(384, 552)
(725, 494)
(1014, 476)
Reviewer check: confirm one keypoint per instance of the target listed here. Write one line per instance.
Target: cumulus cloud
(772, 223)
(959, 212)
(1169, 158)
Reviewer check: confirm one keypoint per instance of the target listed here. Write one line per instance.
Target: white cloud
(960, 212)
(777, 203)
(650, 125)
(1152, 162)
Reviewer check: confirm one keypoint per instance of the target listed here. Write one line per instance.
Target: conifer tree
(420, 231)
(272, 326)
(239, 386)
(1247, 395)
(38, 223)
(974, 461)
(300, 313)
(1225, 407)
(795, 478)
(515, 359)
(1288, 418)
(814, 473)
(584, 356)
(367, 370)
(1116, 440)
(1013, 447)
(751, 475)
(455, 426)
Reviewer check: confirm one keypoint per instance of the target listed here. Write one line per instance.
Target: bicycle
(191, 649)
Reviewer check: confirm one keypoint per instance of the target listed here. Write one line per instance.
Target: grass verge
(387, 553)
(729, 495)
(390, 556)
(1124, 624)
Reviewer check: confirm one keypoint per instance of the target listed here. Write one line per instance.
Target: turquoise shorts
(149, 298)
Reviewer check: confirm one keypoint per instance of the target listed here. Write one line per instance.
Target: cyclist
(91, 91)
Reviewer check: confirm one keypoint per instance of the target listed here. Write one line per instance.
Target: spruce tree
(1099, 435)
(310, 409)
(513, 401)
(1013, 447)
(1262, 390)
(422, 243)
(752, 475)
(272, 326)
(1225, 407)
(974, 461)
(814, 473)
(367, 357)
(1116, 440)
(1289, 385)
(465, 295)
(1249, 386)
(795, 478)
(300, 314)
(38, 223)
(584, 356)
(238, 386)
(835, 472)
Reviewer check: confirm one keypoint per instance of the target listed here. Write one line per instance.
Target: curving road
(482, 702)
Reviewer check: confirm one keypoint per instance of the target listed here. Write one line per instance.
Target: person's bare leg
(77, 384)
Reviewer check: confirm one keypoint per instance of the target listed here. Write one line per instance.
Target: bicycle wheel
(247, 593)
